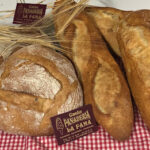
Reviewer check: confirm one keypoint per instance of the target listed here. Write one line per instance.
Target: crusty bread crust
(36, 83)
(134, 40)
(107, 20)
(103, 83)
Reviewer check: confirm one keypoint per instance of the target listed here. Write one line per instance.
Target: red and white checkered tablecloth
(139, 140)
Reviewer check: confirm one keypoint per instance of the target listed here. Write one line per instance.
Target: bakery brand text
(33, 10)
(77, 120)
(33, 13)
(72, 125)
(28, 13)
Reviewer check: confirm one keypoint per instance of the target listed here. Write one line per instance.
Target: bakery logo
(74, 124)
(59, 125)
(28, 13)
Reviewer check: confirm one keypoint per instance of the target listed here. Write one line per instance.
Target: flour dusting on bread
(32, 79)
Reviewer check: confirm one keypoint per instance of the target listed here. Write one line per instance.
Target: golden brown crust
(112, 117)
(134, 39)
(107, 20)
(110, 100)
(26, 79)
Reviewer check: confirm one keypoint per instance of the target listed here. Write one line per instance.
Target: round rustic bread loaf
(36, 83)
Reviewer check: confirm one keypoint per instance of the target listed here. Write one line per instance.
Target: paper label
(28, 13)
(74, 124)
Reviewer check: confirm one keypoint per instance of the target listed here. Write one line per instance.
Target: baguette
(107, 20)
(103, 83)
(134, 41)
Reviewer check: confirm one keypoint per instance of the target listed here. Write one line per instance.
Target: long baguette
(107, 20)
(134, 41)
(103, 83)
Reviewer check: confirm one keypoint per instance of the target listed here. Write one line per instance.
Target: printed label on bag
(74, 124)
(28, 13)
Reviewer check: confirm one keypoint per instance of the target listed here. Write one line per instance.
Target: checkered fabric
(139, 140)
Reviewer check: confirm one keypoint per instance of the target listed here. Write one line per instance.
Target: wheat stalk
(41, 32)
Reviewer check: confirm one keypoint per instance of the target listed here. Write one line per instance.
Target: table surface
(101, 140)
